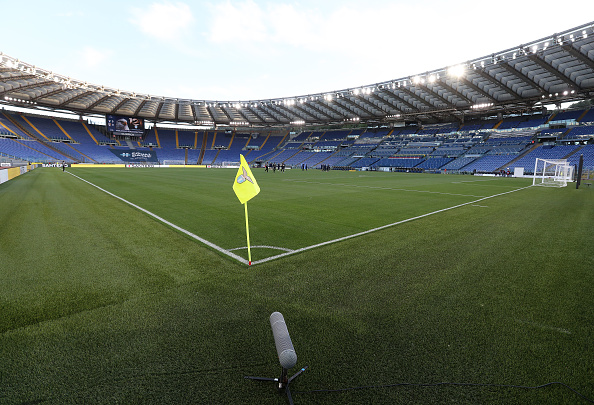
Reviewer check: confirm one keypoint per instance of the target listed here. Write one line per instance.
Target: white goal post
(552, 172)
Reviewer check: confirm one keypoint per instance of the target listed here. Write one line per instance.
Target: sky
(251, 49)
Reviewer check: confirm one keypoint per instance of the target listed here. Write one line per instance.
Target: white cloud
(91, 57)
(164, 21)
(244, 22)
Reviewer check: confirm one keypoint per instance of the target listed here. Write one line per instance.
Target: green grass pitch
(102, 303)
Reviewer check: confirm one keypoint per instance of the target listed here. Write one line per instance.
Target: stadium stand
(544, 152)
(588, 117)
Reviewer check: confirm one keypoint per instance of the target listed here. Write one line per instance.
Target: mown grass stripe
(381, 227)
(172, 225)
(383, 188)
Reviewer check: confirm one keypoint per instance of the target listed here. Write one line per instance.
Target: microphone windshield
(284, 347)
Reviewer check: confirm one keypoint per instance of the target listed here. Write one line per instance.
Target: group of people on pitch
(274, 167)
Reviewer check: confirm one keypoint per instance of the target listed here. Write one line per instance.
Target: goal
(552, 172)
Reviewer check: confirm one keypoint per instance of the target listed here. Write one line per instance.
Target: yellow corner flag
(245, 187)
(245, 184)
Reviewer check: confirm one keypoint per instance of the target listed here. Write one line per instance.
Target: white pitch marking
(262, 246)
(545, 327)
(244, 261)
(190, 234)
(481, 206)
(383, 188)
(381, 227)
(473, 181)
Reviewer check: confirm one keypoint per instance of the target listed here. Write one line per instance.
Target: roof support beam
(290, 111)
(476, 88)
(226, 113)
(440, 97)
(117, 107)
(254, 111)
(521, 76)
(139, 108)
(28, 86)
(576, 53)
(383, 100)
(23, 77)
(97, 102)
(304, 111)
(311, 105)
(357, 106)
(456, 92)
(279, 112)
(331, 105)
(210, 113)
(349, 109)
(416, 96)
(159, 110)
(48, 94)
(365, 101)
(403, 101)
(482, 73)
(243, 116)
(546, 66)
(77, 97)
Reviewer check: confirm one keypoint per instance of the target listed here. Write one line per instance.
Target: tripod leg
(296, 374)
(289, 395)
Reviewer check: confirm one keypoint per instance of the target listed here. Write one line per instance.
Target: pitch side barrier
(137, 165)
(9, 173)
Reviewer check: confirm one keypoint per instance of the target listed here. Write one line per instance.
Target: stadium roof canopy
(554, 69)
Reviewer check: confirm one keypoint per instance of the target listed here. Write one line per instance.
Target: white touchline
(190, 234)
(381, 227)
(290, 252)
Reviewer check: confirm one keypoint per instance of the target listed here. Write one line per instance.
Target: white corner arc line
(158, 218)
(262, 247)
(382, 227)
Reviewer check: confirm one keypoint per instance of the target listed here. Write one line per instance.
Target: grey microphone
(284, 347)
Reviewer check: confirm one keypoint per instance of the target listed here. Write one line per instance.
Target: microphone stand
(283, 381)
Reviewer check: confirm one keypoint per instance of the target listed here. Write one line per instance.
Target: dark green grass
(102, 304)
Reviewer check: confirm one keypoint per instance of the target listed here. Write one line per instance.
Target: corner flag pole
(245, 187)
(247, 232)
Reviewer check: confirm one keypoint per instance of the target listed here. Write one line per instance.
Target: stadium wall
(12, 172)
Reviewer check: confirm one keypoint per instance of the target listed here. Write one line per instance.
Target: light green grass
(295, 209)
(102, 304)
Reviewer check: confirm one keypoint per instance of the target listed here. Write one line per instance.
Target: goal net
(552, 172)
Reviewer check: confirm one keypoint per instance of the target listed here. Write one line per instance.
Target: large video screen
(122, 125)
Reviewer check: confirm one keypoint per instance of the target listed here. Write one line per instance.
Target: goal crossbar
(552, 172)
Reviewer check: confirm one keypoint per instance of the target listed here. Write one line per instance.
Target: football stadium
(427, 239)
